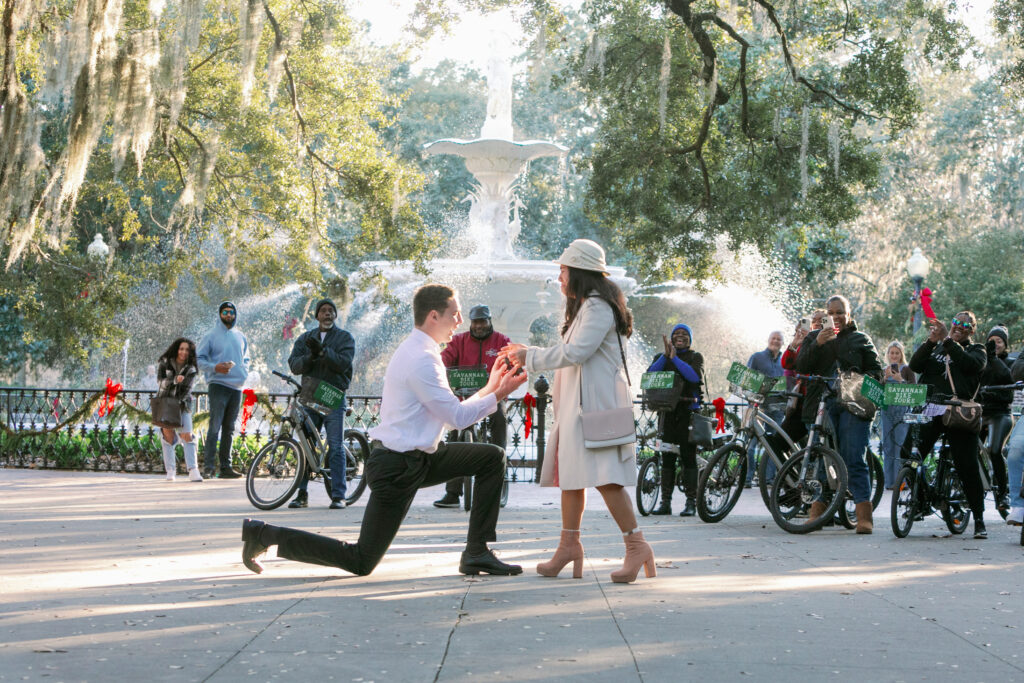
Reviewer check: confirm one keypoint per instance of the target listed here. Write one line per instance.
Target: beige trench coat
(590, 344)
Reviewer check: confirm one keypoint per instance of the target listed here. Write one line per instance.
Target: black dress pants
(498, 430)
(394, 478)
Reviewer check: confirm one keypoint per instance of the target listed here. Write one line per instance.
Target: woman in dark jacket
(674, 425)
(965, 361)
(996, 419)
(176, 371)
(841, 347)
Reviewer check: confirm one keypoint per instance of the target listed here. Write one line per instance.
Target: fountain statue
(518, 291)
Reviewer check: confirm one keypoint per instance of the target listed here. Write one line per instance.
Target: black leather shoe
(450, 500)
(337, 504)
(301, 500)
(251, 546)
(664, 509)
(690, 509)
(1003, 501)
(486, 563)
(229, 474)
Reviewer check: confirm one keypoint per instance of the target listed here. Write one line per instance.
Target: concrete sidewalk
(127, 577)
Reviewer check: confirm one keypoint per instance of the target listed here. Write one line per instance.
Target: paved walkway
(127, 577)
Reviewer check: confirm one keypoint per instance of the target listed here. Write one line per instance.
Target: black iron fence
(64, 429)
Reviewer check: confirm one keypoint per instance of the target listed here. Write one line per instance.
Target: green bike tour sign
(750, 379)
(657, 380)
(463, 378)
(898, 394)
(322, 393)
(872, 390)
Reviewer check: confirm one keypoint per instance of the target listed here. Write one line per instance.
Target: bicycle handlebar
(816, 378)
(1001, 387)
(287, 378)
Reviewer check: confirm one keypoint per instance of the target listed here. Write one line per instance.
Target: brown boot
(569, 550)
(638, 554)
(817, 510)
(864, 522)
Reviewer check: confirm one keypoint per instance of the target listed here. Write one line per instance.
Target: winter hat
(585, 255)
(681, 326)
(324, 302)
(1001, 332)
(227, 304)
(481, 312)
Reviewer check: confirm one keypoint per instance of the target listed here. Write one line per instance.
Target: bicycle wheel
(955, 512)
(648, 486)
(877, 473)
(274, 474)
(904, 502)
(813, 475)
(357, 453)
(721, 483)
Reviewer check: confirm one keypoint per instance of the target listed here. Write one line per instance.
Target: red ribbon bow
(107, 402)
(719, 404)
(529, 403)
(248, 403)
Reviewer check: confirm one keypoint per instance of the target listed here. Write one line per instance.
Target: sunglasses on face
(962, 324)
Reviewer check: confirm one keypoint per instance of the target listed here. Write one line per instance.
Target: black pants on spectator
(688, 461)
(963, 446)
(498, 428)
(998, 428)
(394, 478)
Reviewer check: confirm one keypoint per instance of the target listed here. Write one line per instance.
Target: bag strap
(949, 376)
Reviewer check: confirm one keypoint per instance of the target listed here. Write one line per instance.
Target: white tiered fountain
(518, 291)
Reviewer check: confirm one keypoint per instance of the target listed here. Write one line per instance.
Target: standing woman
(176, 371)
(996, 416)
(589, 370)
(894, 429)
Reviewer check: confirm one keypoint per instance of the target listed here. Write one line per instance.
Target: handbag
(964, 415)
(850, 397)
(605, 428)
(166, 411)
(702, 430)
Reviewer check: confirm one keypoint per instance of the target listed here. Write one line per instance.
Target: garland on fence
(117, 408)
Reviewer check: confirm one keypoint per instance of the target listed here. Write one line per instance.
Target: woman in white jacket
(590, 375)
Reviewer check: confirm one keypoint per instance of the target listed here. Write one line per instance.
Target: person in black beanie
(996, 419)
(325, 352)
(674, 425)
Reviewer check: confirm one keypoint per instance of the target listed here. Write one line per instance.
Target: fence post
(541, 386)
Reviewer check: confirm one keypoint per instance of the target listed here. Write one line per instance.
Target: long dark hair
(171, 354)
(582, 284)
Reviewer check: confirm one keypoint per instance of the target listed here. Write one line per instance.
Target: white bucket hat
(585, 255)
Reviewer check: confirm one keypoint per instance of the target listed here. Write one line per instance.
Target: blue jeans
(224, 403)
(852, 433)
(334, 424)
(894, 433)
(1015, 463)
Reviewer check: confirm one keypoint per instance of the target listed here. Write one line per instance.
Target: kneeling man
(417, 407)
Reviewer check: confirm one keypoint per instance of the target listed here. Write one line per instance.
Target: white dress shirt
(417, 406)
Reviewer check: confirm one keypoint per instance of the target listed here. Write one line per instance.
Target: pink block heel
(638, 554)
(569, 550)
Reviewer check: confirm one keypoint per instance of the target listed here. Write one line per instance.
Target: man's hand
(508, 381)
(826, 335)
(314, 345)
(223, 368)
(179, 379)
(670, 351)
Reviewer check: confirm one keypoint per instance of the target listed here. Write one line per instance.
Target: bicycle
(815, 474)
(721, 483)
(919, 491)
(278, 467)
(648, 485)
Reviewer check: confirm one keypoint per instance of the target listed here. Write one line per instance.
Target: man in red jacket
(476, 349)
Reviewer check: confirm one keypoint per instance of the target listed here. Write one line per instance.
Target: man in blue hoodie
(223, 355)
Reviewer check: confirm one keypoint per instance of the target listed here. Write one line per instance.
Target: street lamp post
(917, 269)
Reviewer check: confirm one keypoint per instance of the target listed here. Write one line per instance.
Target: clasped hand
(505, 377)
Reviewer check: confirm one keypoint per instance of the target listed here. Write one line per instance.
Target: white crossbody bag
(604, 428)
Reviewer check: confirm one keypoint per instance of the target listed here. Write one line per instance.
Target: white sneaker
(1016, 517)
(193, 474)
(170, 476)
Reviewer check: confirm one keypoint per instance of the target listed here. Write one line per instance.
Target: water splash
(805, 126)
(663, 78)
